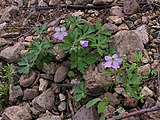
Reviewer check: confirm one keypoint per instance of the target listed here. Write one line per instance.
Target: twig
(142, 111)
(72, 7)
(70, 103)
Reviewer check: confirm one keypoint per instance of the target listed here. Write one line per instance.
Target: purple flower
(113, 61)
(84, 43)
(60, 33)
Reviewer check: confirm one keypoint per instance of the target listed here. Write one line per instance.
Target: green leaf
(102, 117)
(117, 117)
(92, 102)
(71, 74)
(80, 91)
(102, 105)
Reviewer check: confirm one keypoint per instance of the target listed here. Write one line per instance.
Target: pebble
(62, 97)
(150, 53)
(60, 74)
(68, 2)
(115, 19)
(146, 92)
(29, 94)
(62, 106)
(78, 13)
(117, 11)
(27, 80)
(123, 27)
(153, 50)
(43, 84)
(154, 64)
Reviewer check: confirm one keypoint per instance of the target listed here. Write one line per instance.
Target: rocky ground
(47, 94)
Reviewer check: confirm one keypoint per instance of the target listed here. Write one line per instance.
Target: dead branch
(142, 111)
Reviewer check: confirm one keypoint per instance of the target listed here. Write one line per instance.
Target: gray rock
(42, 3)
(59, 52)
(47, 76)
(86, 114)
(35, 111)
(54, 2)
(128, 42)
(27, 80)
(130, 7)
(12, 54)
(82, 2)
(49, 68)
(4, 42)
(116, 10)
(43, 84)
(62, 106)
(2, 25)
(20, 112)
(60, 74)
(99, 2)
(50, 117)
(20, 2)
(45, 101)
(15, 93)
(94, 79)
(112, 99)
(143, 70)
(111, 27)
(29, 94)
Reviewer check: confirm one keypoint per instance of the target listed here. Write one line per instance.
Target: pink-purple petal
(107, 64)
(57, 29)
(115, 56)
(65, 33)
(63, 29)
(60, 37)
(56, 35)
(119, 60)
(107, 58)
(115, 65)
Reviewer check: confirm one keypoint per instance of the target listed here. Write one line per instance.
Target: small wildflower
(84, 43)
(60, 33)
(113, 61)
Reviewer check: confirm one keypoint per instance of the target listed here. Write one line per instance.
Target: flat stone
(49, 68)
(50, 117)
(42, 3)
(62, 106)
(20, 2)
(43, 84)
(44, 101)
(117, 11)
(15, 93)
(100, 2)
(82, 2)
(12, 53)
(146, 92)
(59, 52)
(54, 2)
(27, 80)
(130, 7)
(128, 42)
(113, 100)
(20, 112)
(86, 114)
(115, 19)
(111, 27)
(60, 74)
(4, 42)
(29, 94)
